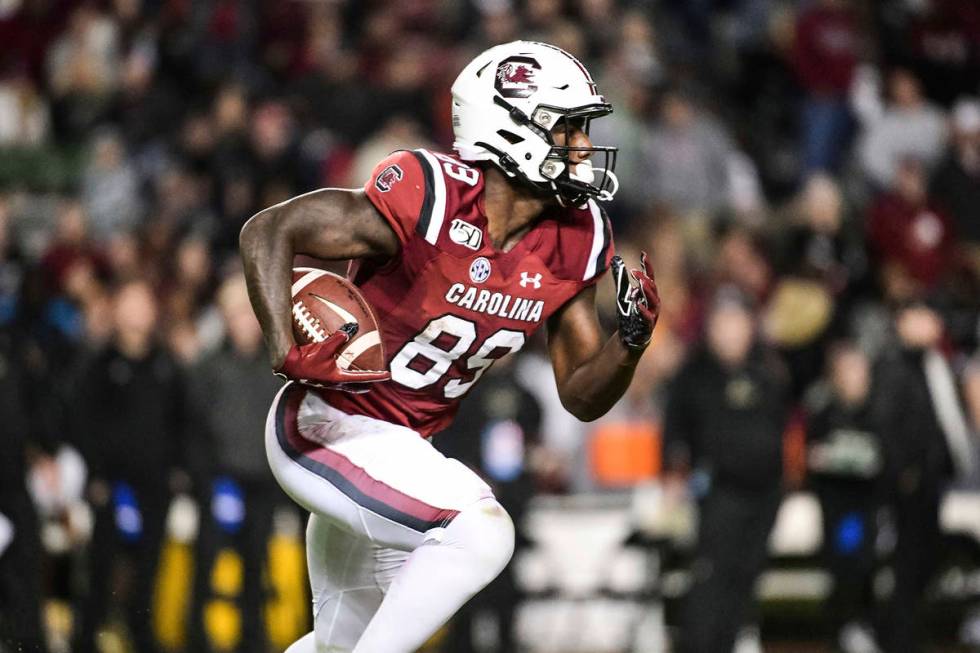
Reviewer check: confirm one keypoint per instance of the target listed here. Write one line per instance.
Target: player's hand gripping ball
(338, 341)
(638, 305)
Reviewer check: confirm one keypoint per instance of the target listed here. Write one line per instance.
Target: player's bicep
(334, 223)
(574, 334)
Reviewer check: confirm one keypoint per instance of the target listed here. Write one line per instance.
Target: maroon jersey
(449, 304)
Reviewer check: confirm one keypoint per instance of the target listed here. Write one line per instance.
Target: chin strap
(605, 194)
(511, 168)
(584, 173)
(507, 162)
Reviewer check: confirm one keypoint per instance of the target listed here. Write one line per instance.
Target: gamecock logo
(515, 77)
(388, 178)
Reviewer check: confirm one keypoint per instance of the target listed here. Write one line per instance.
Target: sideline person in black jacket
(20, 542)
(129, 426)
(725, 418)
(228, 394)
(845, 462)
(926, 440)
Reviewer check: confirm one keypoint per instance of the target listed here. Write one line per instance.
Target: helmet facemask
(593, 176)
(571, 183)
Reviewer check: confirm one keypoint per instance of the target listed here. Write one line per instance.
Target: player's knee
(486, 531)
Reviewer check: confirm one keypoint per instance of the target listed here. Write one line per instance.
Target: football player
(462, 256)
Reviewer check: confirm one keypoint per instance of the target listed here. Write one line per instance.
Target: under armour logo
(526, 279)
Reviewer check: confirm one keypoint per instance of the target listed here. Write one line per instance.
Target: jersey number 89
(464, 332)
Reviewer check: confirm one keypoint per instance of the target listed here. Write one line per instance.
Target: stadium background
(823, 158)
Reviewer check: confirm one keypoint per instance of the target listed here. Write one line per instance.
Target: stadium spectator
(129, 422)
(68, 289)
(908, 127)
(739, 260)
(11, 268)
(21, 593)
(937, 39)
(631, 70)
(910, 237)
(724, 422)
(971, 391)
(147, 107)
(182, 205)
(69, 247)
(24, 115)
(110, 188)
(926, 440)
(845, 461)
(822, 243)
(681, 302)
(122, 253)
(227, 394)
(83, 71)
(956, 182)
(826, 51)
(191, 324)
(686, 158)
(237, 196)
(222, 36)
(273, 157)
(820, 268)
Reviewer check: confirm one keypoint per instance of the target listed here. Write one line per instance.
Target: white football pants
(399, 538)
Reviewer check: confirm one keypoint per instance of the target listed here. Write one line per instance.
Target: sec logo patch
(480, 270)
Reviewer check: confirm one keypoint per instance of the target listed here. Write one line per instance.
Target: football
(322, 303)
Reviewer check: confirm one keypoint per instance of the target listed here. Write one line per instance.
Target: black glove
(638, 306)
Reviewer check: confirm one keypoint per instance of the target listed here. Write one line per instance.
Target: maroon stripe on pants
(353, 481)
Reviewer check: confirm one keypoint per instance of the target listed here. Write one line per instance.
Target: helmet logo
(388, 178)
(515, 77)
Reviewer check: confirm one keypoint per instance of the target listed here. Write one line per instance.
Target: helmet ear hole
(510, 137)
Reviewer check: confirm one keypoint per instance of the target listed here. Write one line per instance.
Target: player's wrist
(633, 349)
(279, 350)
(635, 332)
(287, 360)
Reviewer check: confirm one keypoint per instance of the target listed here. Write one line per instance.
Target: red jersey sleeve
(399, 189)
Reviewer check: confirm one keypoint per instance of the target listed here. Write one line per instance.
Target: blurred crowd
(804, 174)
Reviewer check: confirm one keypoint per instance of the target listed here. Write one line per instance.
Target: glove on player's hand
(315, 364)
(638, 305)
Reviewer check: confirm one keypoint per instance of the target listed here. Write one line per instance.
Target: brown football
(322, 303)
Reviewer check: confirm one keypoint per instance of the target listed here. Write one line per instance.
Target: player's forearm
(267, 255)
(332, 224)
(597, 384)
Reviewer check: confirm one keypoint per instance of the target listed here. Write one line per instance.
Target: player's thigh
(349, 577)
(378, 479)
(312, 492)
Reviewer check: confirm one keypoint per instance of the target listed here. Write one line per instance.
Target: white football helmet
(506, 103)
